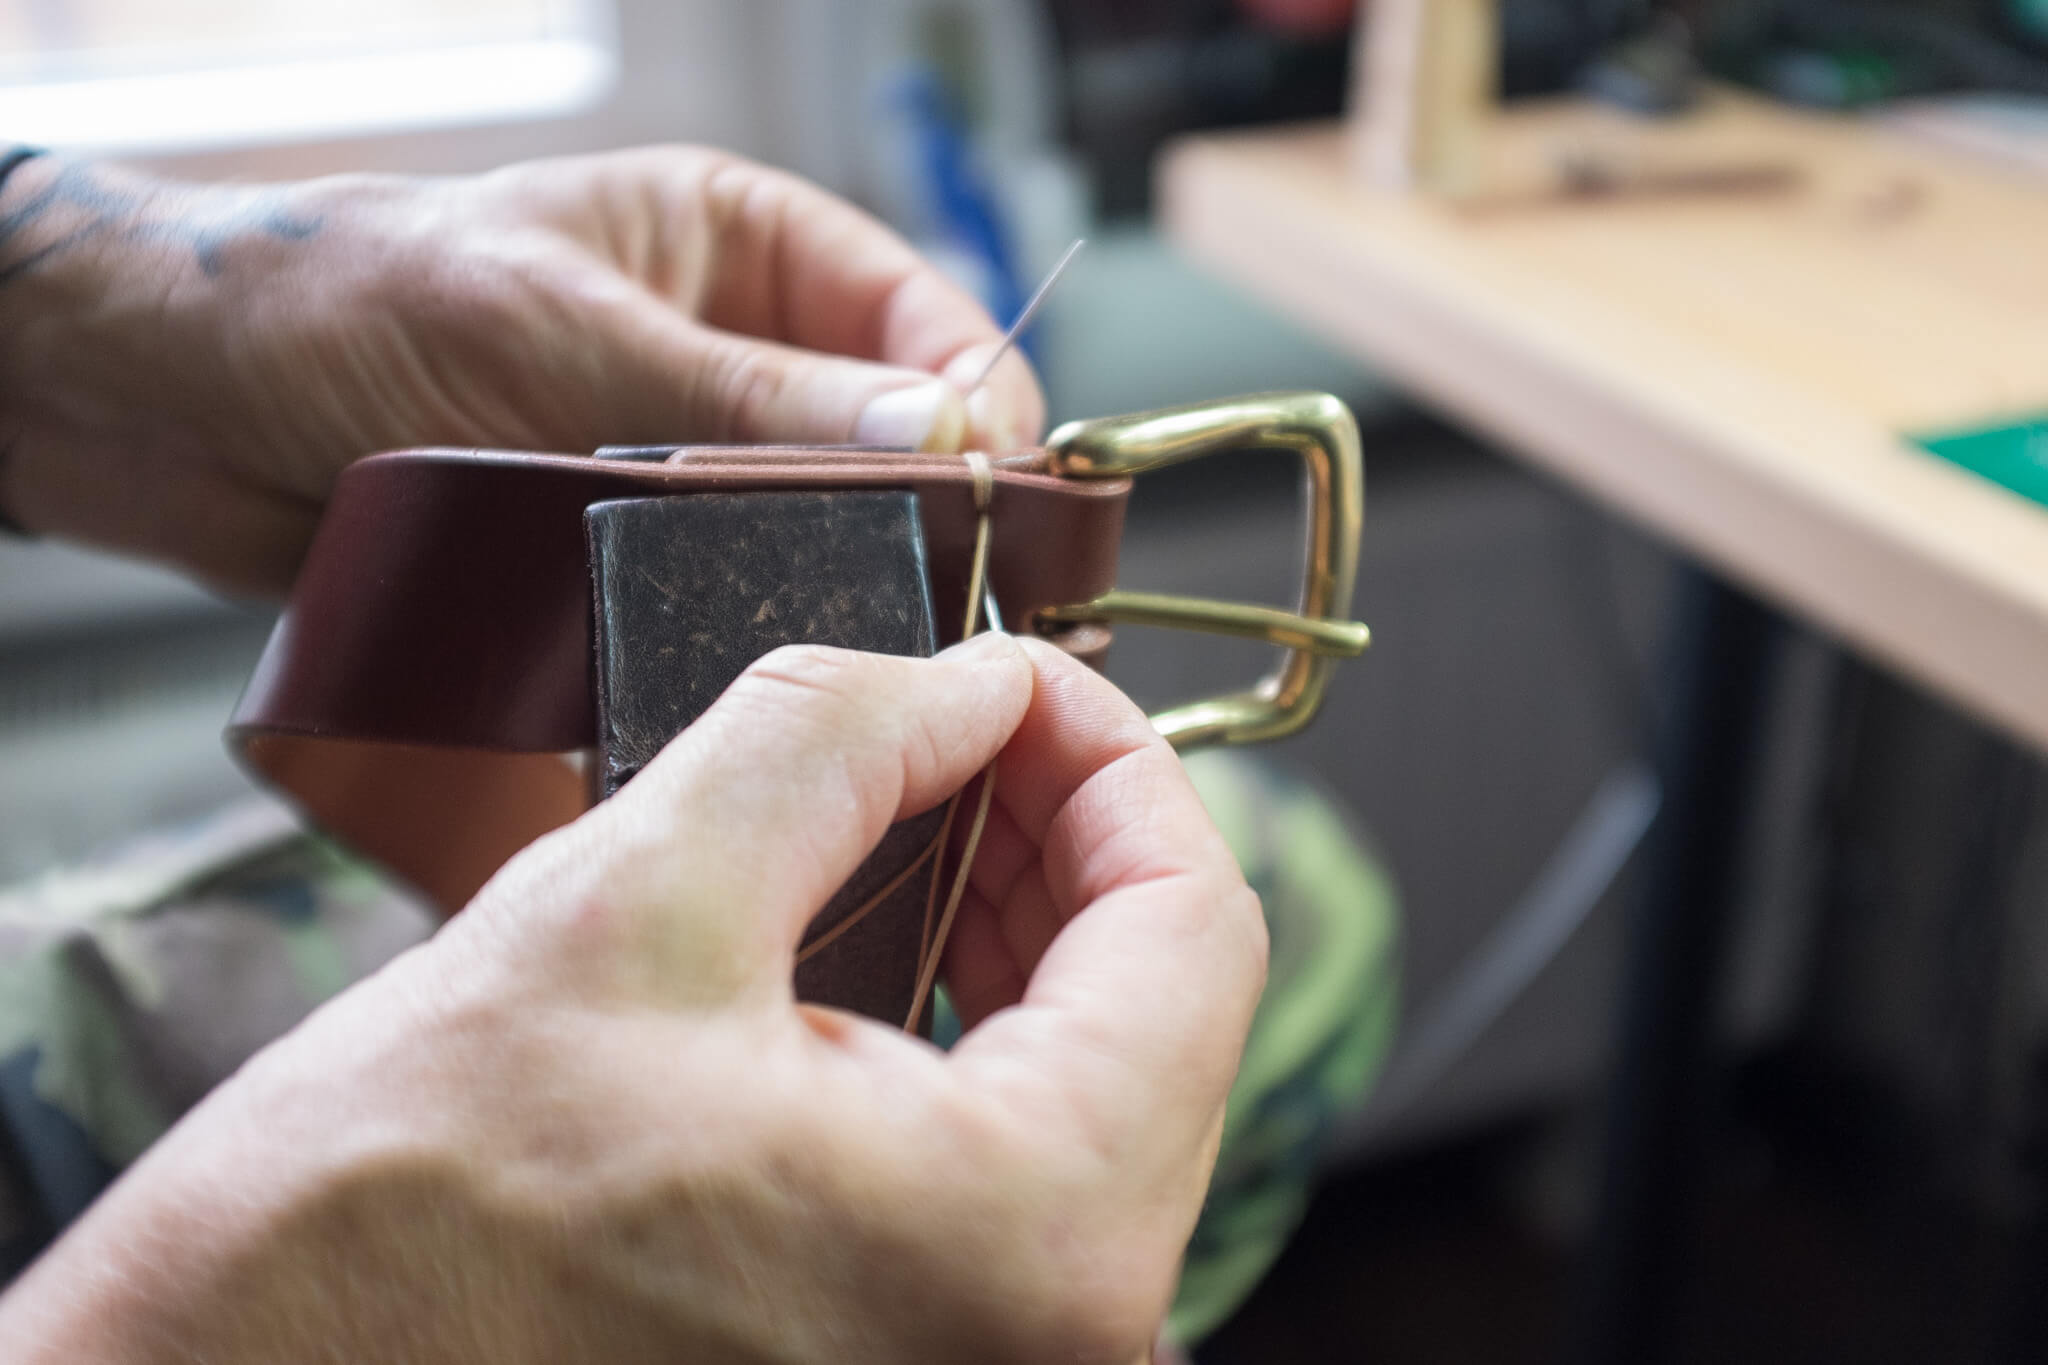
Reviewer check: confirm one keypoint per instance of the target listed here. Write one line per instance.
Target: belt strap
(427, 695)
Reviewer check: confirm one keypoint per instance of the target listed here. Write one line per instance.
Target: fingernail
(925, 416)
(991, 646)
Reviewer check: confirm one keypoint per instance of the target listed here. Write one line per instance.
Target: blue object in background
(963, 205)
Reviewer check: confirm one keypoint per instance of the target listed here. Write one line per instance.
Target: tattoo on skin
(209, 228)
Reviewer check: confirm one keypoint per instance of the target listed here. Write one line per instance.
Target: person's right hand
(588, 1121)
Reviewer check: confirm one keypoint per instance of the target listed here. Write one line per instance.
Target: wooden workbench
(1734, 370)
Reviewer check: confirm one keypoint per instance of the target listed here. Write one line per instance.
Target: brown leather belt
(428, 691)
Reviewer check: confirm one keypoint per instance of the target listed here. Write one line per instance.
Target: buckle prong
(1244, 620)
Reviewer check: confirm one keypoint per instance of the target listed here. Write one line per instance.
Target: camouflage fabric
(131, 987)
(1322, 1030)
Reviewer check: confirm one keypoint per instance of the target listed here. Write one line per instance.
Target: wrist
(12, 160)
(51, 222)
(64, 227)
(99, 338)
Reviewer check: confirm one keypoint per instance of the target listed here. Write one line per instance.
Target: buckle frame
(1318, 428)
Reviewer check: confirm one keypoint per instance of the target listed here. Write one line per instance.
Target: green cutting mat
(2015, 455)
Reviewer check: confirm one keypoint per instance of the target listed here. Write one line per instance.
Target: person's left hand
(185, 369)
(589, 1120)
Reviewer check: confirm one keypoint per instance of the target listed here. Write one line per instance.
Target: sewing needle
(990, 611)
(1029, 312)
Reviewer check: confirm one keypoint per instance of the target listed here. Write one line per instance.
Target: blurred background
(1874, 1184)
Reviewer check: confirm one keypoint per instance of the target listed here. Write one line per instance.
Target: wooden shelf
(1736, 370)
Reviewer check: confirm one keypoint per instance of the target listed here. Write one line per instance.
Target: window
(164, 75)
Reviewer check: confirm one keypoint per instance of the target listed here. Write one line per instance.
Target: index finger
(1133, 1018)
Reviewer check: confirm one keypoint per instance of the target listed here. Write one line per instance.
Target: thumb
(746, 389)
(694, 885)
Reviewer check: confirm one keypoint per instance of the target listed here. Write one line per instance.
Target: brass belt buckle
(1315, 426)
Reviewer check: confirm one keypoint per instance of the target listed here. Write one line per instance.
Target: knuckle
(736, 190)
(552, 882)
(921, 748)
(807, 676)
(742, 386)
(830, 700)
(808, 696)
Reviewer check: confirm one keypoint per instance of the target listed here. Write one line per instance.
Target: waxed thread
(860, 912)
(931, 945)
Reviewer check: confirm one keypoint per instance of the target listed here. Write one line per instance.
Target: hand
(589, 1122)
(184, 369)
